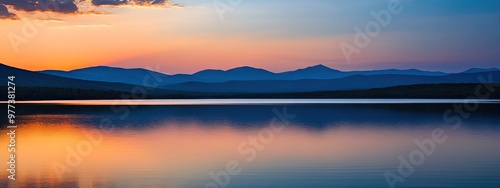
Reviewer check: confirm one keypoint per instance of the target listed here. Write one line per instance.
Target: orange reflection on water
(45, 151)
(172, 153)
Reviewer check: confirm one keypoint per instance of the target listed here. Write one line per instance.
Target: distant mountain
(136, 76)
(25, 78)
(45, 84)
(476, 70)
(313, 72)
(415, 72)
(347, 83)
(240, 73)
(121, 75)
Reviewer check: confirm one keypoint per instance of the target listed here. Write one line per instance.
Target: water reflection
(178, 147)
(314, 116)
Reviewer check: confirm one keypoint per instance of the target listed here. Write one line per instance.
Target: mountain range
(31, 79)
(135, 76)
(241, 79)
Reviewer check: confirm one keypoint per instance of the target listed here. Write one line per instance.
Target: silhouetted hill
(418, 91)
(38, 85)
(240, 73)
(313, 72)
(415, 72)
(136, 76)
(31, 79)
(347, 83)
(476, 70)
(121, 75)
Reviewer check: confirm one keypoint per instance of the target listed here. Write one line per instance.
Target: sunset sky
(182, 36)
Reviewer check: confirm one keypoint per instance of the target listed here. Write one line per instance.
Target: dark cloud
(151, 2)
(63, 6)
(131, 2)
(5, 14)
(109, 2)
(3, 9)
(26, 5)
(66, 6)
(155, 2)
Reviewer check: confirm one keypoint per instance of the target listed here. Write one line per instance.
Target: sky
(182, 36)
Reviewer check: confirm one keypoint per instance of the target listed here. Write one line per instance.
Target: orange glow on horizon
(132, 42)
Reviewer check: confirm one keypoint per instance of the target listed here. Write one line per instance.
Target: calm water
(326, 143)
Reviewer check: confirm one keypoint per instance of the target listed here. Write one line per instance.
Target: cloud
(5, 14)
(109, 2)
(130, 2)
(65, 6)
(26, 5)
(62, 6)
(69, 6)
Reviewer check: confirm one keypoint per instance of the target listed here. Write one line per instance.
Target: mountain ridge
(26, 78)
(244, 73)
(29, 79)
(355, 82)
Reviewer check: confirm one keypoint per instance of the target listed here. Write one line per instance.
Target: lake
(256, 143)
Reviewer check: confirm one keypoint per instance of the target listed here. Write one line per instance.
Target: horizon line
(248, 66)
